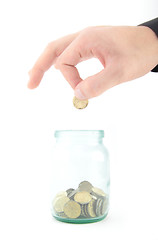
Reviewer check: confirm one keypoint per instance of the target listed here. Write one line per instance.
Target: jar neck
(79, 136)
(78, 141)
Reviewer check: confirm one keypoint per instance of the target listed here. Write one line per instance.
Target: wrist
(153, 26)
(151, 40)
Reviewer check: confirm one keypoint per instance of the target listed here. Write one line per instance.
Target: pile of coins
(84, 202)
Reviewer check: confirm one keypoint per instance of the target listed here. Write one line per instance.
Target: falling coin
(72, 209)
(79, 104)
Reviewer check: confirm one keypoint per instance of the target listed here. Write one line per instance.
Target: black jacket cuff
(152, 24)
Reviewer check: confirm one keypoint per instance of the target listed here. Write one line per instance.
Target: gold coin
(98, 191)
(79, 104)
(61, 194)
(104, 206)
(98, 207)
(59, 203)
(82, 197)
(91, 208)
(72, 209)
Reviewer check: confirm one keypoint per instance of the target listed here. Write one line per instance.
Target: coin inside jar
(91, 208)
(86, 201)
(72, 209)
(82, 197)
(69, 191)
(104, 206)
(79, 104)
(85, 186)
(61, 194)
(98, 191)
(59, 203)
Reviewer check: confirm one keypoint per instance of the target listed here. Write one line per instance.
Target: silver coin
(84, 210)
(72, 194)
(83, 214)
(94, 196)
(85, 186)
(69, 191)
(61, 214)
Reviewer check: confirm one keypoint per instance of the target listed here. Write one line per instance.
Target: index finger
(48, 58)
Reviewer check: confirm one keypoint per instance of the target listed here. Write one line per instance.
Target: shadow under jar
(80, 178)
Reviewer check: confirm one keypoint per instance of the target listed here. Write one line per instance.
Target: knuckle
(88, 32)
(58, 63)
(88, 29)
(86, 36)
(50, 45)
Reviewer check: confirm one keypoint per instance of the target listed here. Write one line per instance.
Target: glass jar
(80, 180)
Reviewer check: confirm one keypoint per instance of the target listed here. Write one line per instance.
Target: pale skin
(126, 53)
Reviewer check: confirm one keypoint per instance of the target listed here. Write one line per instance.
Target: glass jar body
(80, 179)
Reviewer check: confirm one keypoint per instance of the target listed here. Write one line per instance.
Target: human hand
(126, 53)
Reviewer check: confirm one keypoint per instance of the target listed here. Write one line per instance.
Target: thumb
(95, 85)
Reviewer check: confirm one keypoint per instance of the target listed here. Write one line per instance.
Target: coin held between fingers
(79, 104)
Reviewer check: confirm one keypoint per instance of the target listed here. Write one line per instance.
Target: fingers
(66, 64)
(72, 55)
(43, 63)
(95, 85)
(71, 74)
(48, 58)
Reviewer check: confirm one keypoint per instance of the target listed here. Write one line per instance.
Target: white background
(127, 113)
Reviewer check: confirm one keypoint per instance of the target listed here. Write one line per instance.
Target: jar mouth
(79, 133)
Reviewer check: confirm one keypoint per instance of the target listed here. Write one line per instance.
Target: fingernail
(79, 94)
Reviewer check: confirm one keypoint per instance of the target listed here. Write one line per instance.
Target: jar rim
(79, 133)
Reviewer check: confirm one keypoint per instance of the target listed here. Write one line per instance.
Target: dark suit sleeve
(152, 24)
